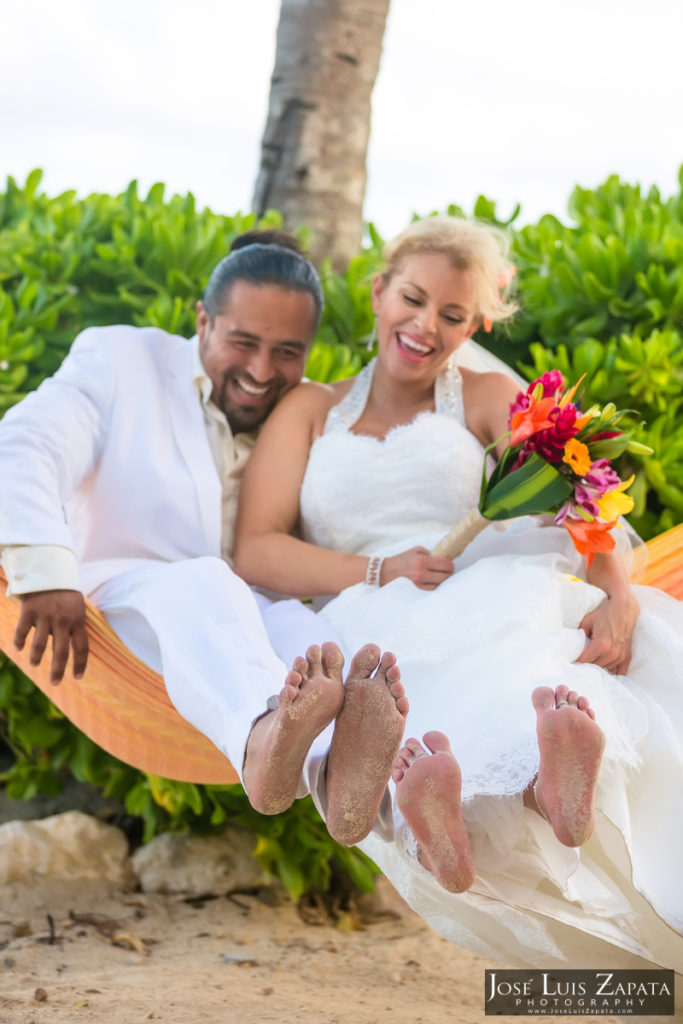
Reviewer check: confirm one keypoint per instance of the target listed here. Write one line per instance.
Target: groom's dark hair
(266, 236)
(260, 258)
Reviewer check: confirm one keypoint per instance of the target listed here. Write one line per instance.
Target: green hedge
(602, 296)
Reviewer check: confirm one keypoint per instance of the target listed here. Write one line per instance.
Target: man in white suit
(119, 479)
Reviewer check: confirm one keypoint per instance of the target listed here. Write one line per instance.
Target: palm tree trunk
(316, 136)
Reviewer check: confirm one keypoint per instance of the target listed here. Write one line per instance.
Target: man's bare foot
(428, 796)
(278, 743)
(366, 739)
(571, 746)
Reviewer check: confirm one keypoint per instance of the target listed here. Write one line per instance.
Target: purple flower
(601, 478)
(584, 497)
(566, 511)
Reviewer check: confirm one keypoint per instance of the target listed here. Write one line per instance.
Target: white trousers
(222, 649)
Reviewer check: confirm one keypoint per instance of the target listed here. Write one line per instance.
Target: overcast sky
(519, 99)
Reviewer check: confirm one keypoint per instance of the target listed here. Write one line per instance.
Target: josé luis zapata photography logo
(594, 993)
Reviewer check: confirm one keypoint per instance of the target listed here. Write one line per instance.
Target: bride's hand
(609, 630)
(425, 570)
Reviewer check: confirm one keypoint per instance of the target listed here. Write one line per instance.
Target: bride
(557, 831)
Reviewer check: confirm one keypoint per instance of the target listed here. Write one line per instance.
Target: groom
(119, 479)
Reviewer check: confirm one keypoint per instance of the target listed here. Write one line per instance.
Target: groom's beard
(244, 409)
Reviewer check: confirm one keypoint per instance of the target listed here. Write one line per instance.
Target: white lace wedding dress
(470, 654)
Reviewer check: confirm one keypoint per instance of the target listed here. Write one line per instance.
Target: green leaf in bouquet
(608, 447)
(534, 488)
(637, 448)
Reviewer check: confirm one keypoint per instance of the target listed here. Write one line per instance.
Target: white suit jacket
(110, 457)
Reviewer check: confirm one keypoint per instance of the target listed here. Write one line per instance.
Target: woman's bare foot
(278, 743)
(571, 746)
(428, 796)
(366, 739)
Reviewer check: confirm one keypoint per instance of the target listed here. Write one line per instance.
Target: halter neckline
(447, 397)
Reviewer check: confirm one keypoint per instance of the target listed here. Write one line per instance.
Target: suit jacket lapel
(190, 434)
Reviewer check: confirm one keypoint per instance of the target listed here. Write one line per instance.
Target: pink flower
(524, 454)
(552, 382)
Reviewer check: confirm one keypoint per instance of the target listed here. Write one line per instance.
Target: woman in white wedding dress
(349, 488)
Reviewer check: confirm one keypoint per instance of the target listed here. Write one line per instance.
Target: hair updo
(278, 261)
(470, 245)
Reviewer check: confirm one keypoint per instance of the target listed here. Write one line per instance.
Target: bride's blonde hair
(470, 245)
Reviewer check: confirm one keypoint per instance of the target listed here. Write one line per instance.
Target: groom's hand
(609, 630)
(425, 570)
(61, 615)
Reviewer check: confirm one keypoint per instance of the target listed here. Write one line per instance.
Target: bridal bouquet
(558, 462)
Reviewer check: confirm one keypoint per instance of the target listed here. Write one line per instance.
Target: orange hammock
(123, 706)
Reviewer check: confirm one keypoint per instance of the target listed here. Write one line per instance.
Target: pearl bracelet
(373, 571)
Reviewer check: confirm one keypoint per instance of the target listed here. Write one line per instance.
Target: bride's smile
(412, 347)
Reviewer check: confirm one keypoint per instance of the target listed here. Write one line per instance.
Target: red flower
(604, 435)
(550, 442)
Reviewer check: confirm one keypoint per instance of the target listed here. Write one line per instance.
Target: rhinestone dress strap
(347, 412)
(448, 392)
(447, 398)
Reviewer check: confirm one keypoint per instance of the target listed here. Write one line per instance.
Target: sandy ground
(82, 952)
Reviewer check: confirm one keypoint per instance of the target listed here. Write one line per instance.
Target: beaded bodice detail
(364, 495)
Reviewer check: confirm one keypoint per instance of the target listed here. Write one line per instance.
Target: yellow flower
(577, 456)
(615, 503)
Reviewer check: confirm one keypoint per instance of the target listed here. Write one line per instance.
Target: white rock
(198, 864)
(69, 845)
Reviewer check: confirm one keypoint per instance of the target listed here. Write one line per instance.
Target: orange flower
(590, 537)
(530, 421)
(577, 456)
(568, 395)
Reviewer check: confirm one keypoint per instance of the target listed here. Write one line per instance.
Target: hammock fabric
(123, 706)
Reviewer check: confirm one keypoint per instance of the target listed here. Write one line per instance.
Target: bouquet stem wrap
(459, 536)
